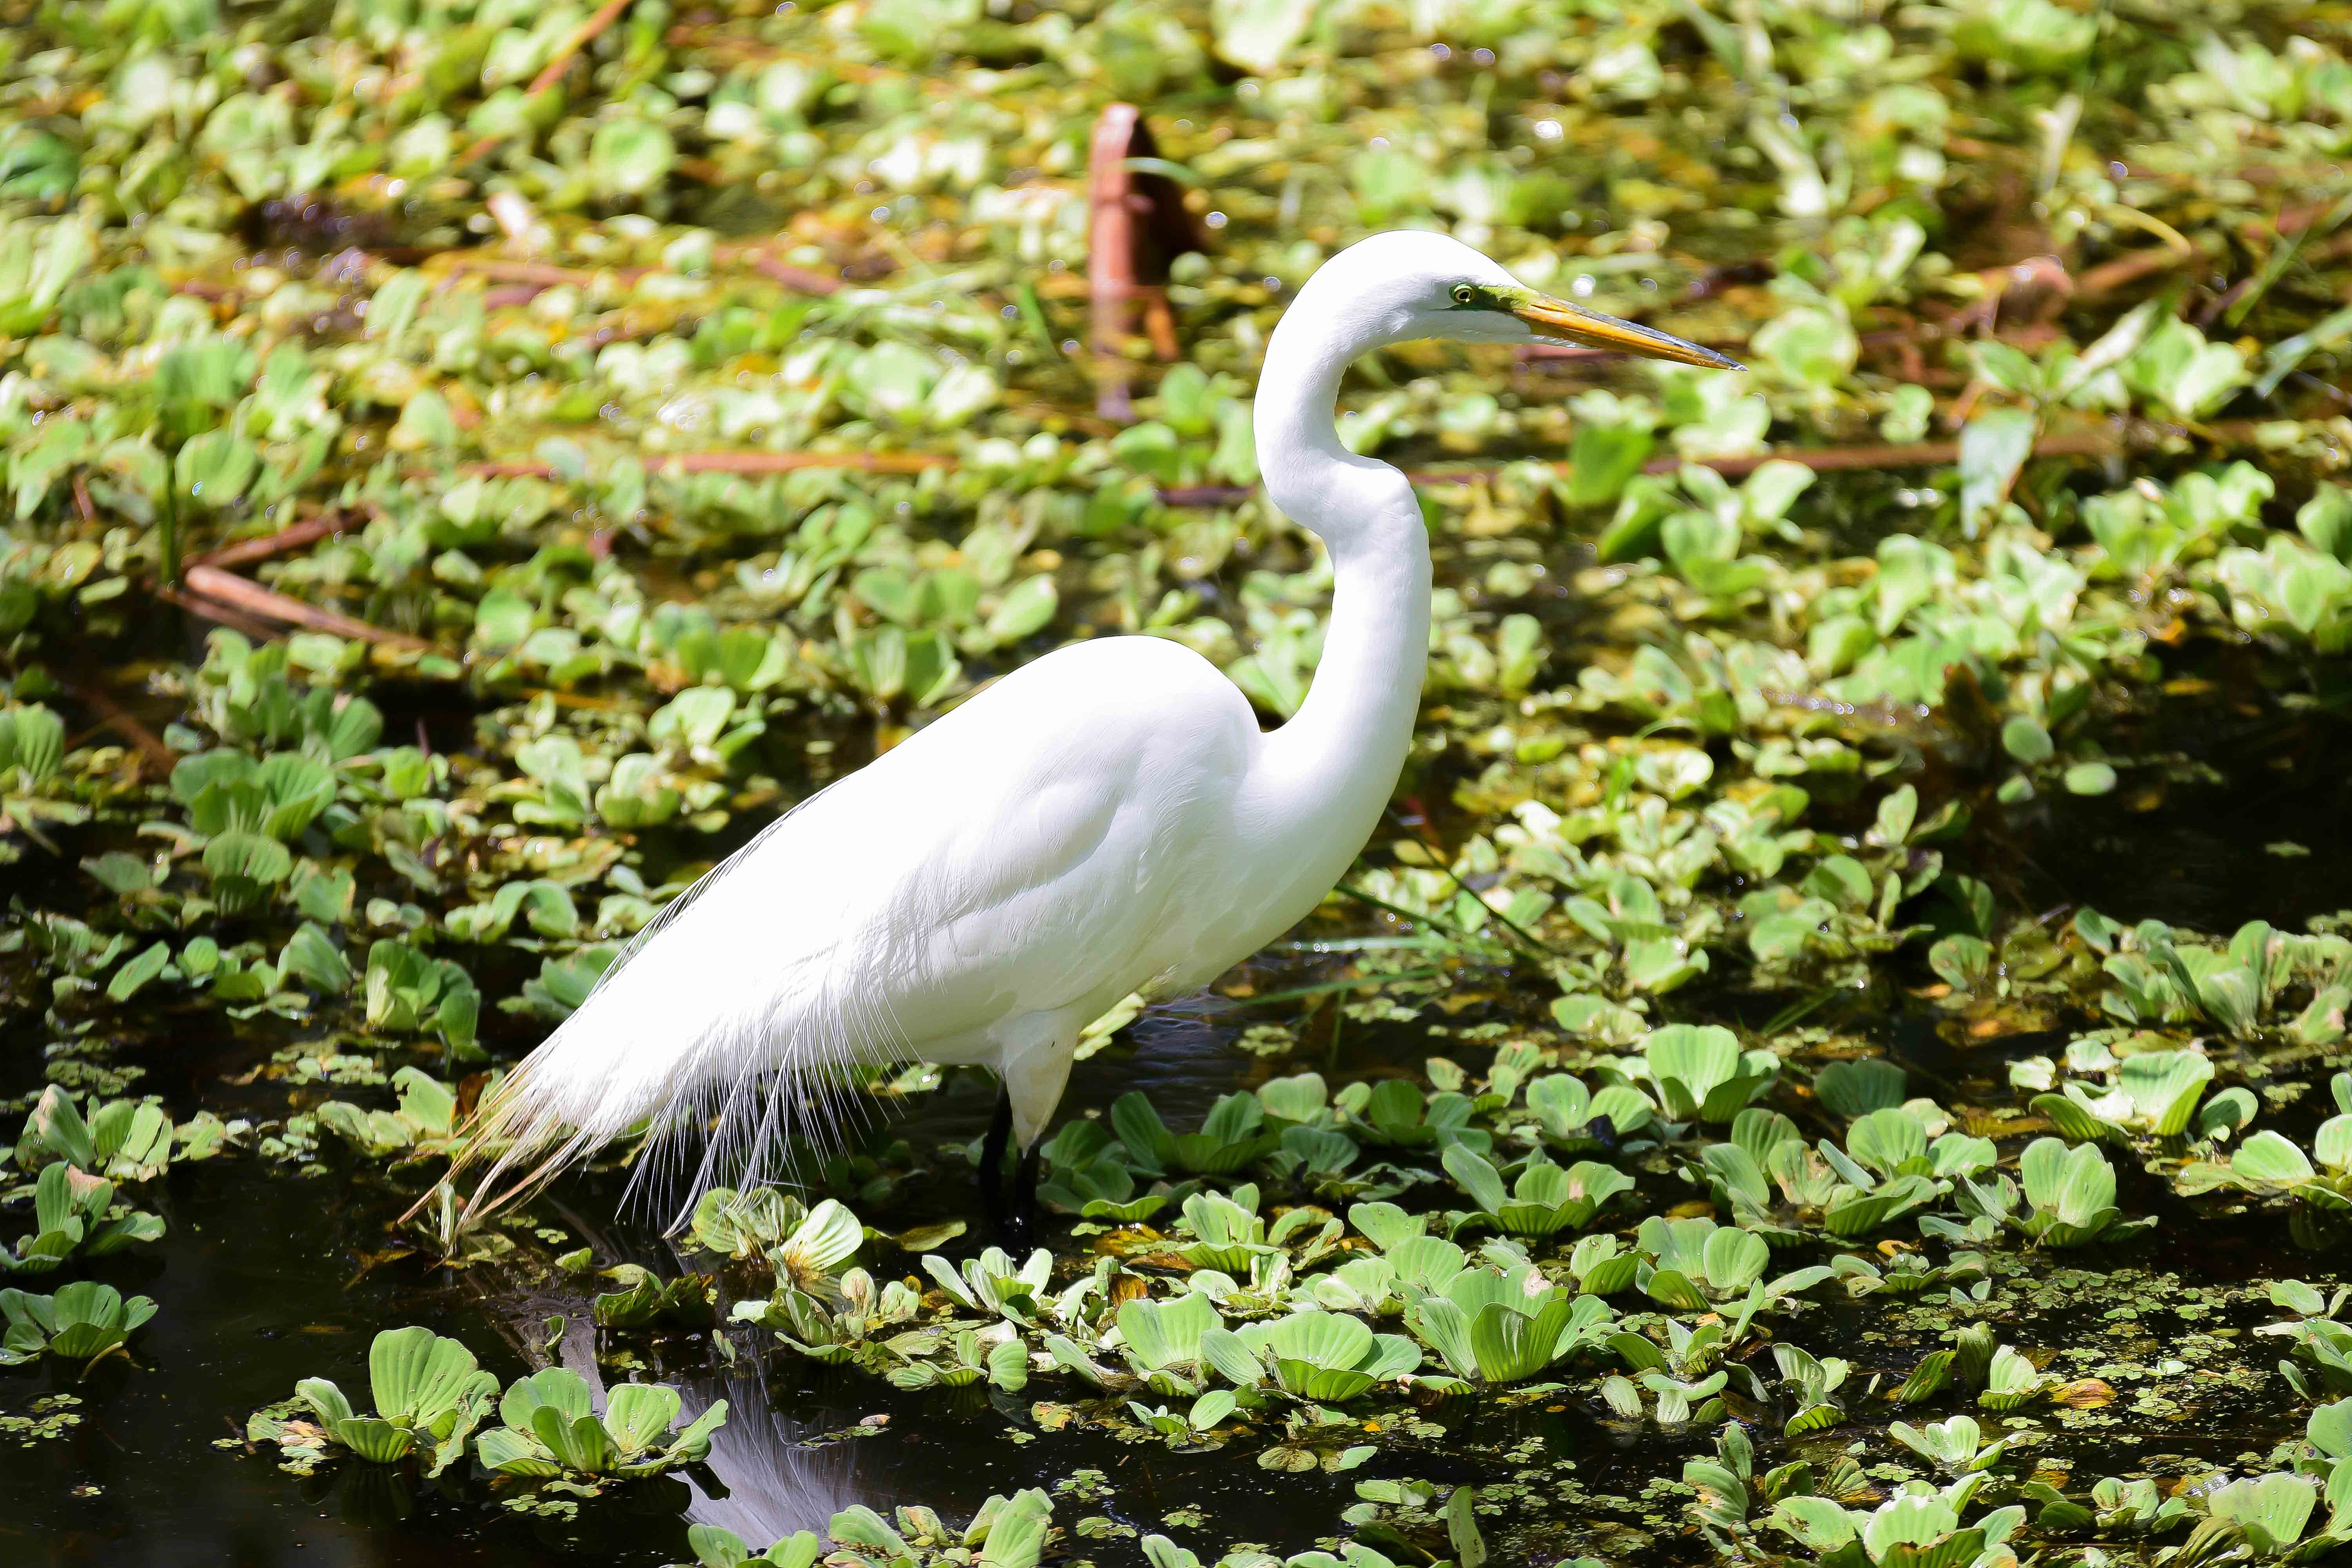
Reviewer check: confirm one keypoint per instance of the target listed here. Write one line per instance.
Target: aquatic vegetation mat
(1837, 1053)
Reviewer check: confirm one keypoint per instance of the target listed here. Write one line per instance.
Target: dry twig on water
(210, 583)
(741, 463)
(284, 541)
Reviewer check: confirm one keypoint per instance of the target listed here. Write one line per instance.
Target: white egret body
(1107, 819)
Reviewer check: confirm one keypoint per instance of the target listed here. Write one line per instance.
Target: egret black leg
(992, 1160)
(1019, 1225)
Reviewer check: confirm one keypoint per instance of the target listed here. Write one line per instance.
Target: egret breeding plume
(1108, 819)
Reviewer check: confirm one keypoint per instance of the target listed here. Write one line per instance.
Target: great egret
(1105, 820)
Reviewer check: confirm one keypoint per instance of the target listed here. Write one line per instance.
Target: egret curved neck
(1331, 769)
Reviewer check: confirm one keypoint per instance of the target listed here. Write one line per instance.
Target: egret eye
(1464, 293)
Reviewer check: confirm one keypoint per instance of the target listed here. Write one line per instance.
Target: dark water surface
(266, 1277)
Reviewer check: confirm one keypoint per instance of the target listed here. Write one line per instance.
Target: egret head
(1395, 287)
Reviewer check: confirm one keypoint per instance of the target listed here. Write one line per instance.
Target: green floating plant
(1164, 1341)
(121, 1140)
(1603, 1266)
(2069, 1198)
(1696, 1261)
(714, 1546)
(1086, 1171)
(424, 1123)
(1910, 1274)
(1853, 1089)
(1809, 1382)
(1700, 1073)
(1502, 1326)
(929, 1359)
(407, 992)
(2010, 1381)
(1007, 1532)
(2270, 1163)
(548, 1428)
(1892, 1169)
(1726, 1488)
(562, 982)
(644, 1299)
(32, 753)
(847, 1331)
(1203, 1416)
(1326, 1357)
(245, 695)
(1228, 1234)
(1567, 1111)
(1232, 1137)
(2161, 976)
(2264, 1518)
(247, 813)
(2321, 1343)
(2115, 1506)
(74, 1212)
(1676, 1401)
(1395, 1113)
(1955, 1447)
(429, 1398)
(1543, 1200)
(2155, 1093)
(992, 1283)
(1919, 1525)
(806, 1247)
(82, 1321)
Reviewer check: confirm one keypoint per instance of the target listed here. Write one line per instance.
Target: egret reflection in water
(772, 1484)
(762, 1480)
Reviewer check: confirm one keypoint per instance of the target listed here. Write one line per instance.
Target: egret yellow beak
(1558, 318)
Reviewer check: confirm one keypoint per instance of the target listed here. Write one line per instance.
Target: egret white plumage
(1107, 820)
